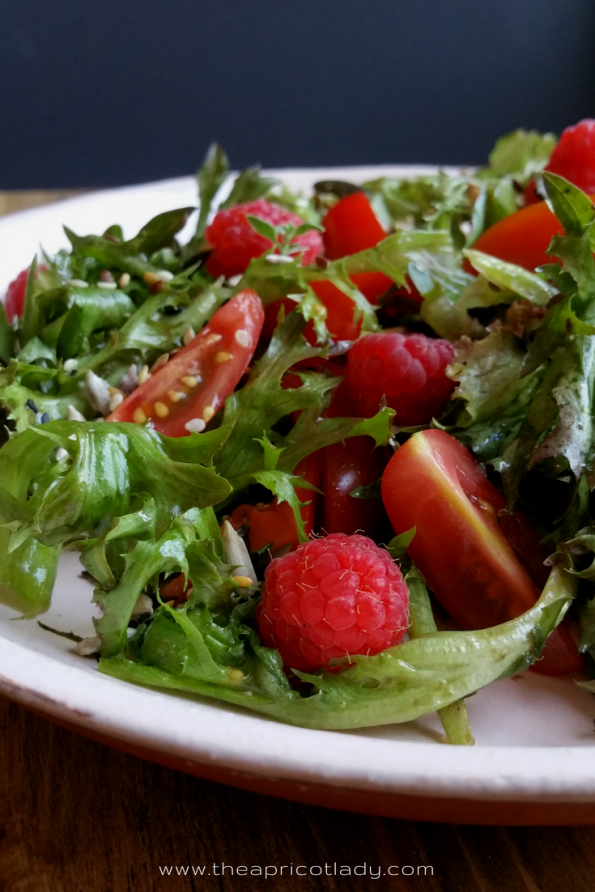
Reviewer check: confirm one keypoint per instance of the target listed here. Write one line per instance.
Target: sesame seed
(31, 405)
(109, 286)
(165, 275)
(124, 280)
(151, 278)
(242, 581)
(189, 381)
(71, 365)
(176, 395)
(161, 360)
(72, 436)
(78, 283)
(275, 259)
(195, 426)
(45, 418)
(242, 337)
(223, 356)
(116, 400)
(189, 335)
(106, 276)
(235, 280)
(213, 338)
(207, 413)
(157, 287)
(144, 374)
(161, 410)
(139, 416)
(61, 454)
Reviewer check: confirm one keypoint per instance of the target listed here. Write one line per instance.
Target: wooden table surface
(76, 815)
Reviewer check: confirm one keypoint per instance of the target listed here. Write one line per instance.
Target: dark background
(127, 91)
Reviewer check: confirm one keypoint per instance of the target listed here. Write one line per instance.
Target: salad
(331, 458)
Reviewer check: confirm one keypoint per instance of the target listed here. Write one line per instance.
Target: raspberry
(573, 158)
(331, 598)
(235, 243)
(409, 370)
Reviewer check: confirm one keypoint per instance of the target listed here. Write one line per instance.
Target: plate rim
(518, 773)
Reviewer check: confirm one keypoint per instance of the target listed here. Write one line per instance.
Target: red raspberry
(408, 369)
(235, 243)
(14, 300)
(573, 158)
(331, 598)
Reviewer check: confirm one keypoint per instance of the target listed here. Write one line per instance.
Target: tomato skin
(340, 311)
(522, 237)
(215, 355)
(433, 483)
(349, 465)
(14, 301)
(176, 589)
(560, 655)
(274, 523)
(351, 226)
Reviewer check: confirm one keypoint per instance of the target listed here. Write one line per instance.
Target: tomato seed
(139, 416)
(207, 413)
(176, 395)
(161, 410)
(223, 356)
(189, 380)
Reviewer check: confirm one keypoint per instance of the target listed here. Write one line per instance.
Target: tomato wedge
(523, 237)
(186, 392)
(434, 484)
(274, 523)
(351, 226)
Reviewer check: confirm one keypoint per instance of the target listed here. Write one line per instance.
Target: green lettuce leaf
(496, 398)
(419, 676)
(520, 155)
(102, 467)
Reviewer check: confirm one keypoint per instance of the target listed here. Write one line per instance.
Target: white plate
(534, 760)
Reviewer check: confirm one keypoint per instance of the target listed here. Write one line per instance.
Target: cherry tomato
(347, 466)
(522, 237)
(14, 302)
(340, 311)
(560, 655)
(186, 392)
(351, 226)
(274, 523)
(176, 589)
(434, 484)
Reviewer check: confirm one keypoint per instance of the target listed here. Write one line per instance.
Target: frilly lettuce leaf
(496, 399)
(520, 155)
(414, 678)
(101, 468)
